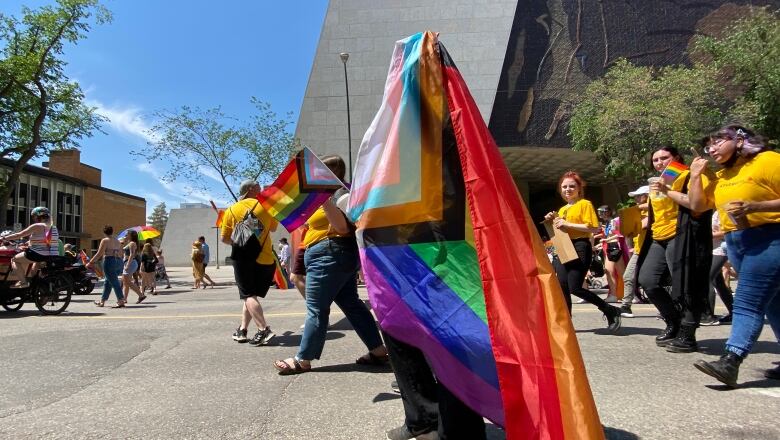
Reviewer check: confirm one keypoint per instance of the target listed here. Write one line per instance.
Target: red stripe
(526, 367)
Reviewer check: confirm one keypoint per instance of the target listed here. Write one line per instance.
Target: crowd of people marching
(677, 245)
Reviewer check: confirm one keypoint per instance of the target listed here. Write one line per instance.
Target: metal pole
(216, 247)
(344, 57)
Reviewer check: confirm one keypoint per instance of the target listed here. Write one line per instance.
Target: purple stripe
(397, 319)
(302, 213)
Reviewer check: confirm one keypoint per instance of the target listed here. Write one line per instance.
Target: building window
(24, 218)
(22, 195)
(33, 196)
(45, 197)
(95, 245)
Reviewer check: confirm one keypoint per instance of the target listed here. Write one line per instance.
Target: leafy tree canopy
(192, 142)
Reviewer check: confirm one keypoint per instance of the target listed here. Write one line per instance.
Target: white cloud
(176, 192)
(124, 120)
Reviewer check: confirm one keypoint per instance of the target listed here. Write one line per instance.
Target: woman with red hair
(578, 219)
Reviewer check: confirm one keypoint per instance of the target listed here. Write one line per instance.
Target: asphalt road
(169, 369)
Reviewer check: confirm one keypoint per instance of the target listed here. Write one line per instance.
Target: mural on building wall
(556, 47)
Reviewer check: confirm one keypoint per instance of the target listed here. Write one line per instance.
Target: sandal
(372, 359)
(141, 299)
(119, 305)
(99, 303)
(286, 369)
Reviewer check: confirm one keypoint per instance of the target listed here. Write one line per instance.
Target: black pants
(428, 405)
(718, 285)
(652, 276)
(572, 274)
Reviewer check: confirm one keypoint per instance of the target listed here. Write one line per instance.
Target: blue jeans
(331, 276)
(755, 254)
(112, 267)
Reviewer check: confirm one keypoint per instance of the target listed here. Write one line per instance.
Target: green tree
(632, 110)
(158, 218)
(40, 107)
(192, 141)
(747, 54)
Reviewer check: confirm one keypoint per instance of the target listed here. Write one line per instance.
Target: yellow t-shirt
(235, 213)
(665, 209)
(581, 212)
(755, 180)
(319, 228)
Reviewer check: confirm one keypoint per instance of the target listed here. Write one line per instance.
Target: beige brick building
(73, 191)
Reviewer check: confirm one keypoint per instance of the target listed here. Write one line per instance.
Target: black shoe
(726, 369)
(668, 335)
(685, 342)
(710, 320)
(773, 373)
(262, 337)
(725, 319)
(403, 433)
(625, 311)
(240, 336)
(613, 319)
(394, 387)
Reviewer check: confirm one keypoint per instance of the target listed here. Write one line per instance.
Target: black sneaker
(612, 316)
(403, 433)
(725, 319)
(240, 336)
(625, 311)
(262, 337)
(709, 321)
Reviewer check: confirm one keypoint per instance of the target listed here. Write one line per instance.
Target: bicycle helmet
(41, 212)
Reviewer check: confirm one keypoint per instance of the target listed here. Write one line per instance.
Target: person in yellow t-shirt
(579, 220)
(332, 262)
(253, 264)
(634, 225)
(659, 253)
(747, 195)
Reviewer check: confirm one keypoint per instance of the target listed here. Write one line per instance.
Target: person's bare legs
(245, 317)
(20, 266)
(128, 284)
(254, 308)
(208, 278)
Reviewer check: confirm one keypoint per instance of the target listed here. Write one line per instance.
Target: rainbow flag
(220, 214)
(303, 186)
(281, 278)
(673, 171)
(435, 207)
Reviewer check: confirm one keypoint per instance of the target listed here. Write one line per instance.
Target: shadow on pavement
(715, 346)
(759, 383)
(624, 331)
(383, 397)
(341, 324)
(290, 339)
(27, 313)
(352, 367)
(619, 434)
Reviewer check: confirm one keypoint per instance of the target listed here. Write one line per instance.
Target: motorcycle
(83, 279)
(50, 289)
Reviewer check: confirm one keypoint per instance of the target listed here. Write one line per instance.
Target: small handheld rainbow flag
(220, 214)
(673, 171)
(281, 278)
(301, 188)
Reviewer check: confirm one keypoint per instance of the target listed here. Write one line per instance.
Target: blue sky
(159, 55)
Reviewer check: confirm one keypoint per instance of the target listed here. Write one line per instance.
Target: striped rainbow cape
(453, 262)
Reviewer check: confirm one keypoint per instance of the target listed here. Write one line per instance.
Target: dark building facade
(524, 62)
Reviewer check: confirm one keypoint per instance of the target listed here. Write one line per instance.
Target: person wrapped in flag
(453, 263)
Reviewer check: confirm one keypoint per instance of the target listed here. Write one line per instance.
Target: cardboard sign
(564, 248)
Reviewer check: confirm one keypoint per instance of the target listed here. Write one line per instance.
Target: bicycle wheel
(54, 292)
(13, 304)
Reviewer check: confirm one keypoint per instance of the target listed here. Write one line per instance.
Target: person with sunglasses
(747, 195)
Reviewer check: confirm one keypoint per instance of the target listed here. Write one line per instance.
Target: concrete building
(186, 224)
(522, 60)
(73, 191)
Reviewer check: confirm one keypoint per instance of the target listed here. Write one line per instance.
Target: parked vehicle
(50, 289)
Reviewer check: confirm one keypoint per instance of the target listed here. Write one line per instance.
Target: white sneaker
(580, 301)
(611, 299)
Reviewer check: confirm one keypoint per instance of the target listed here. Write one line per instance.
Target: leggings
(718, 285)
(571, 275)
(652, 275)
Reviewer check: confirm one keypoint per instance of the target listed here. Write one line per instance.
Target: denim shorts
(131, 269)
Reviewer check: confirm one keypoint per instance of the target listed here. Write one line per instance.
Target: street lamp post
(344, 57)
